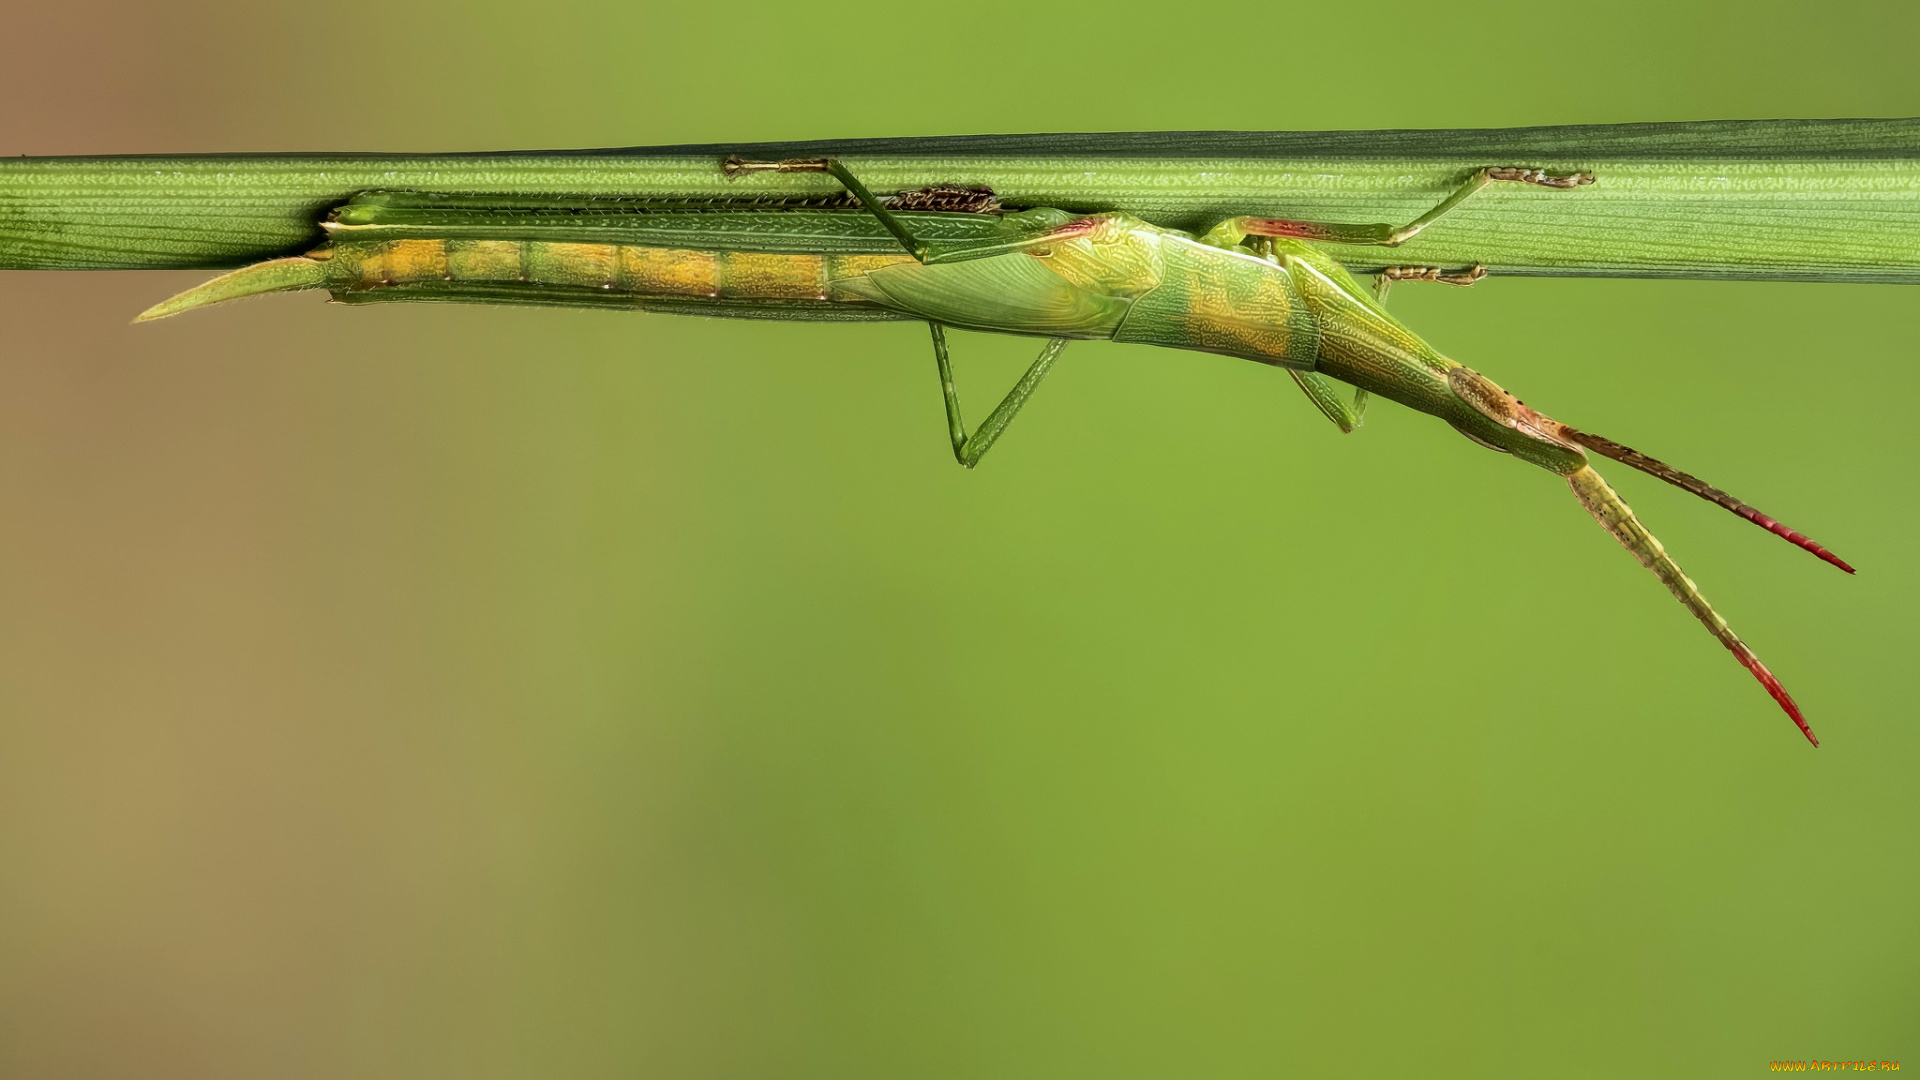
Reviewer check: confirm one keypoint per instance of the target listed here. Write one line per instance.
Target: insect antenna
(1626, 455)
(1614, 515)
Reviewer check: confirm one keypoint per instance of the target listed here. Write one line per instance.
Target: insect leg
(1322, 391)
(1229, 233)
(969, 449)
(1384, 280)
(1325, 395)
(737, 166)
(1022, 237)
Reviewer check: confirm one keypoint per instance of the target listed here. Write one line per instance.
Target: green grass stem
(1827, 200)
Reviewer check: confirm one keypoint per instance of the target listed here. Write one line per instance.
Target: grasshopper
(1257, 288)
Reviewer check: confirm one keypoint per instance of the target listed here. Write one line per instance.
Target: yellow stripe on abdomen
(486, 260)
(582, 266)
(646, 271)
(392, 262)
(616, 268)
(754, 275)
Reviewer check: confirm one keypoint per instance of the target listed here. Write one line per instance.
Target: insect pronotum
(1256, 288)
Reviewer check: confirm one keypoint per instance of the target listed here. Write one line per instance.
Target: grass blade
(1827, 200)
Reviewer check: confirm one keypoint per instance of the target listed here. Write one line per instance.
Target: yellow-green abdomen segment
(617, 275)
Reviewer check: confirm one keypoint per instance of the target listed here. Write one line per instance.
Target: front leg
(1233, 232)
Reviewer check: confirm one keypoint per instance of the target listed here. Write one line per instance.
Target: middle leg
(969, 449)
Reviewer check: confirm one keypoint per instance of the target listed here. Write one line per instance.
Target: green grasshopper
(1255, 288)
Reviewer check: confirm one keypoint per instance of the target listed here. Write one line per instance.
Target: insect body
(1255, 288)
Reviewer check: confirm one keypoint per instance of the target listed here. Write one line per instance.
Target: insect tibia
(1627, 455)
(1617, 518)
(279, 275)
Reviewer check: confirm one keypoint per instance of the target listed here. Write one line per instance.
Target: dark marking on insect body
(948, 198)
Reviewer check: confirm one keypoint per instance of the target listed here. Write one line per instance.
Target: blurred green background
(410, 692)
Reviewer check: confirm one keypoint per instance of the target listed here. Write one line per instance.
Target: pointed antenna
(278, 275)
(1617, 518)
(1626, 455)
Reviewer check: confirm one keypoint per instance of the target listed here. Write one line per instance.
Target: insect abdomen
(611, 270)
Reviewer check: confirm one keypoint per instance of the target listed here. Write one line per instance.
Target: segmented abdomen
(612, 269)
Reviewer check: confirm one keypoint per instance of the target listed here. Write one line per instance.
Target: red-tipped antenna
(1617, 518)
(1626, 455)
(1773, 687)
(1745, 656)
